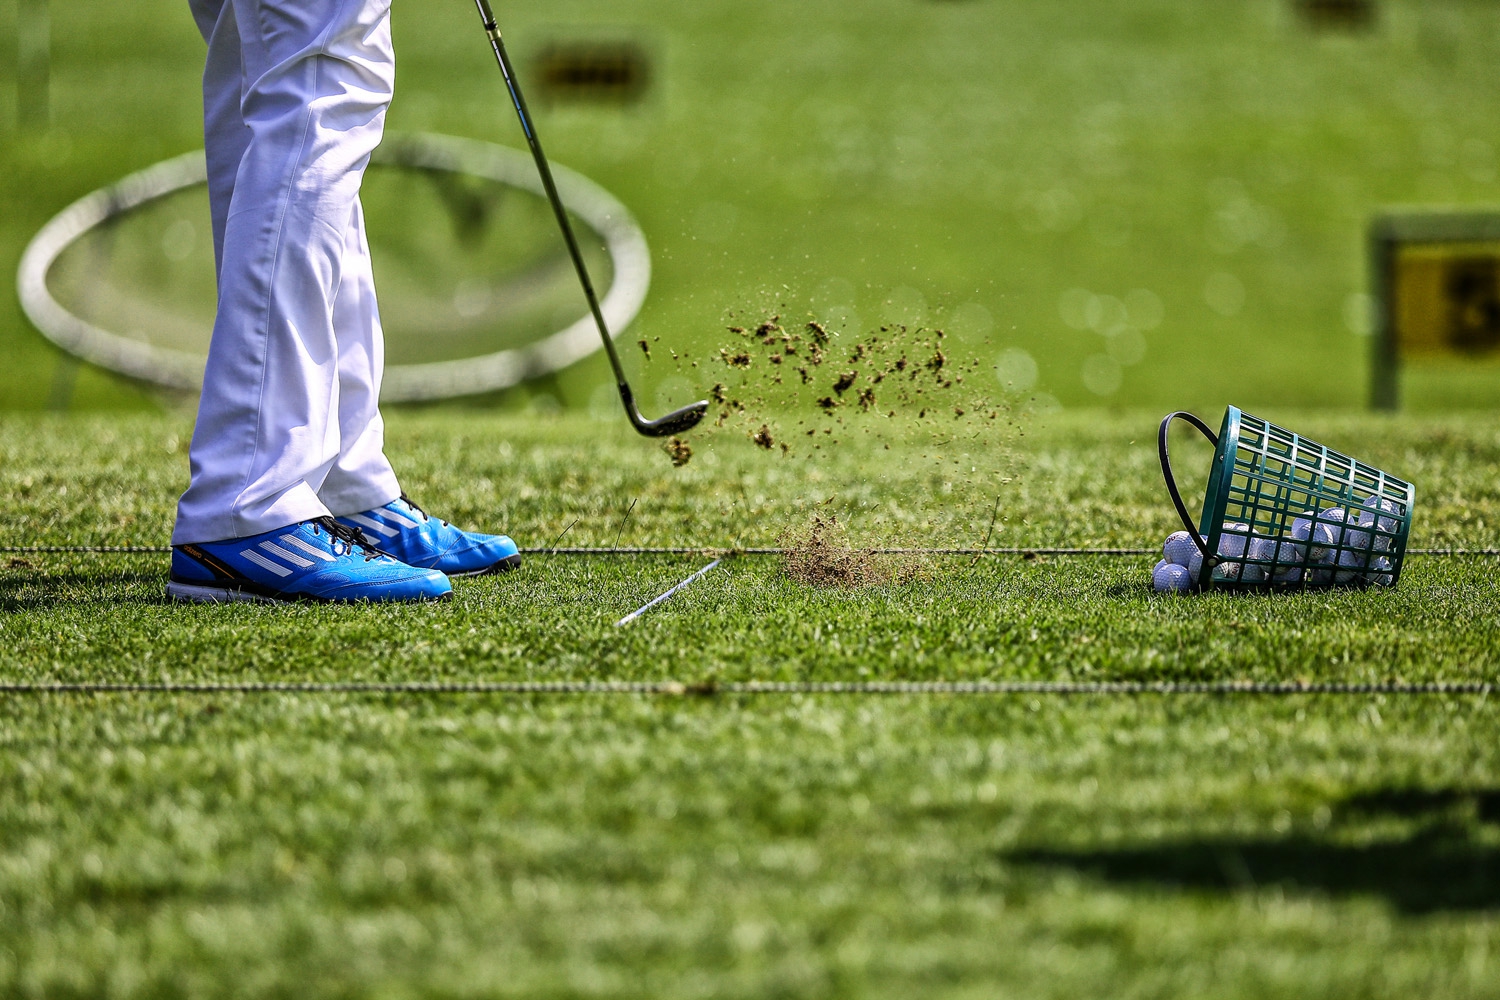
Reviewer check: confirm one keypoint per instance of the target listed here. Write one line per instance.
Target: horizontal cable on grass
(29, 550)
(634, 550)
(709, 550)
(731, 688)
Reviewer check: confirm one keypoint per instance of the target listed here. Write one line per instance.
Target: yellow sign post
(1435, 281)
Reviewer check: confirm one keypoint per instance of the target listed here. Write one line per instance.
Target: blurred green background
(1124, 203)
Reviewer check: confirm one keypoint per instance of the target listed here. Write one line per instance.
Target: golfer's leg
(361, 478)
(318, 77)
(225, 134)
(361, 490)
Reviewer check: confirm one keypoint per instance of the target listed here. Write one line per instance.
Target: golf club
(678, 420)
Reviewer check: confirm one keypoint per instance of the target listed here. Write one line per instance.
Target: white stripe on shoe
(291, 557)
(398, 517)
(311, 550)
(373, 525)
(265, 563)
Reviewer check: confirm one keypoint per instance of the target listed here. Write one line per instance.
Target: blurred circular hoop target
(477, 292)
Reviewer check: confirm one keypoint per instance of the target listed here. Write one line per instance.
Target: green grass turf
(618, 846)
(907, 159)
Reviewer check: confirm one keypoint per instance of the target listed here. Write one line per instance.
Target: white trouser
(289, 427)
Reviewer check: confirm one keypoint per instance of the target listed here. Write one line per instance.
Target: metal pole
(1385, 392)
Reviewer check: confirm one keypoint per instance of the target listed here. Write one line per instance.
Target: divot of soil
(819, 554)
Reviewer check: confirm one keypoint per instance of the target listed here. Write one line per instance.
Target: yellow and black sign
(1436, 283)
(616, 71)
(1447, 299)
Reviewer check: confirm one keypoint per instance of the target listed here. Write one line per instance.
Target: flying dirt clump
(808, 388)
(819, 554)
(679, 451)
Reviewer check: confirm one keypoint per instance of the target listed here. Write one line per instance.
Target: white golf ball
(1231, 549)
(1349, 522)
(1169, 577)
(1261, 549)
(1352, 566)
(1227, 571)
(1381, 572)
(1318, 536)
(1291, 574)
(1288, 553)
(1258, 556)
(1333, 516)
(1386, 524)
(1195, 565)
(1382, 528)
(1179, 548)
(1233, 540)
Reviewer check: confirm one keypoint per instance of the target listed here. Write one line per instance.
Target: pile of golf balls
(1323, 547)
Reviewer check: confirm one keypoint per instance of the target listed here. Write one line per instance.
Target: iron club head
(675, 422)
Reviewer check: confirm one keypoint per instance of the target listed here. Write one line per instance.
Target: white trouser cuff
(215, 524)
(357, 498)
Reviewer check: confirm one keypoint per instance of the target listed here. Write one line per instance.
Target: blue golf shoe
(316, 560)
(409, 533)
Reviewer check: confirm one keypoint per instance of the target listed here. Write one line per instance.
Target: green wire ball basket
(1281, 512)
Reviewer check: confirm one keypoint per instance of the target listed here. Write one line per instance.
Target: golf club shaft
(513, 85)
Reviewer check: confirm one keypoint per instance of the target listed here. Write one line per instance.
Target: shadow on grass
(1439, 866)
(79, 589)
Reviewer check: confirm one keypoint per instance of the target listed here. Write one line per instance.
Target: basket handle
(1209, 559)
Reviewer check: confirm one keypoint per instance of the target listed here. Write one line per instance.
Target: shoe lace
(352, 537)
(413, 505)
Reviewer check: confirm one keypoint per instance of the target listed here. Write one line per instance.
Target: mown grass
(342, 845)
